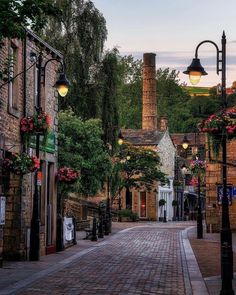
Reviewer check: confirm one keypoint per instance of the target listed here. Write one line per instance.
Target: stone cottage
(154, 134)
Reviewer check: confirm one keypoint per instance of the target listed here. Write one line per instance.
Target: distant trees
(136, 167)
(17, 15)
(79, 32)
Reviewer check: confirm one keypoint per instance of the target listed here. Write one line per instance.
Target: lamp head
(185, 142)
(62, 85)
(120, 138)
(195, 71)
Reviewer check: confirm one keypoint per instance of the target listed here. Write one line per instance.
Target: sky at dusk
(172, 29)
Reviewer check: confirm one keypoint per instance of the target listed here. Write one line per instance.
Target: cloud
(180, 60)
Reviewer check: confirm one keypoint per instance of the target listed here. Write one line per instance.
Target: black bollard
(100, 227)
(106, 226)
(94, 236)
(164, 219)
(74, 230)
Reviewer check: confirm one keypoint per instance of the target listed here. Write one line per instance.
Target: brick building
(154, 134)
(18, 98)
(214, 188)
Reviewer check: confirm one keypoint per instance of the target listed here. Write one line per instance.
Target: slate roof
(142, 137)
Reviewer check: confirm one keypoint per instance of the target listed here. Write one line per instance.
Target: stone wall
(19, 190)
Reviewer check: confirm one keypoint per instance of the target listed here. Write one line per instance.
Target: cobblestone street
(137, 258)
(142, 260)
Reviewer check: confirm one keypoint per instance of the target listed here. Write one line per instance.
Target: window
(36, 73)
(143, 204)
(13, 86)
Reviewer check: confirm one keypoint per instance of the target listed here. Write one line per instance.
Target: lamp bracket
(218, 60)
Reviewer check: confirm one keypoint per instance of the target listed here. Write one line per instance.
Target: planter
(21, 163)
(36, 124)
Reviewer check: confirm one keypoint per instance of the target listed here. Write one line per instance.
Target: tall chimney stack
(149, 116)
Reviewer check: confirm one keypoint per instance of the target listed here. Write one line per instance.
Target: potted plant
(67, 175)
(21, 163)
(174, 205)
(197, 167)
(221, 122)
(161, 203)
(38, 123)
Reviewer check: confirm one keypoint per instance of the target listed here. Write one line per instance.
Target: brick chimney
(149, 116)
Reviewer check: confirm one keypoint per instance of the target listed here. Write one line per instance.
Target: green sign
(48, 147)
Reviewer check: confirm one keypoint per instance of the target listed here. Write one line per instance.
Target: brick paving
(138, 258)
(142, 260)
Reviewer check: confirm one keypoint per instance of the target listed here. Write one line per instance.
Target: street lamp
(195, 71)
(62, 86)
(120, 138)
(185, 142)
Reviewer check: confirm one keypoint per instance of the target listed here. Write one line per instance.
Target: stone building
(19, 94)
(154, 134)
(213, 181)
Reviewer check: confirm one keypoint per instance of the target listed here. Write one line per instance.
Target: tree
(79, 33)
(16, 15)
(138, 168)
(109, 81)
(130, 92)
(81, 147)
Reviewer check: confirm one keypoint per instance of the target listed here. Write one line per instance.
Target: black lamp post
(62, 86)
(195, 70)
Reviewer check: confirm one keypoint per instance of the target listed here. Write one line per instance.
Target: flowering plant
(220, 122)
(197, 167)
(21, 163)
(36, 123)
(67, 175)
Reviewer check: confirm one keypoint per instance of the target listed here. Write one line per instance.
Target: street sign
(234, 191)
(220, 194)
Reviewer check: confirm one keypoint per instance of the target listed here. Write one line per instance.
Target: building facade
(155, 135)
(20, 92)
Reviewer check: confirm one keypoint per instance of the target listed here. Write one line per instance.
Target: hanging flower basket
(219, 123)
(197, 167)
(67, 175)
(21, 163)
(38, 123)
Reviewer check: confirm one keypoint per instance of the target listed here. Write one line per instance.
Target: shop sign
(68, 229)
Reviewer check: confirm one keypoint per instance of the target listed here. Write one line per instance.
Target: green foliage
(79, 33)
(16, 15)
(128, 214)
(140, 170)
(130, 92)
(81, 147)
(162, 202)
(109, 81)
(174, 203)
